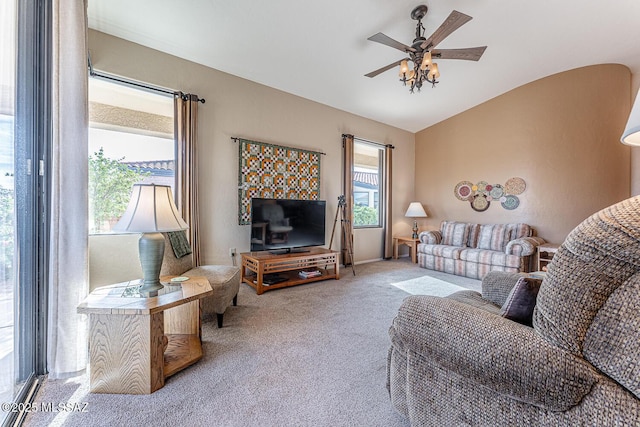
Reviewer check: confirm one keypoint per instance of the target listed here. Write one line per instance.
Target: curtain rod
(129, 82)
(367, 141)
(236, 139)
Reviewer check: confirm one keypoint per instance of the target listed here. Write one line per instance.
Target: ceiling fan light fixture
(404, 67)
(426, 61)
(420, 52)
(434, 73)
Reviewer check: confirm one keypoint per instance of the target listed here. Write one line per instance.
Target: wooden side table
(135, 343)
(408, 241)
(546, 251)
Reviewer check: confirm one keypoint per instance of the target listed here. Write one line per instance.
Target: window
(130, 141)
(366, 185)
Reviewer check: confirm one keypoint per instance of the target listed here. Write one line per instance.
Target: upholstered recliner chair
(456, 361)
(224, 280)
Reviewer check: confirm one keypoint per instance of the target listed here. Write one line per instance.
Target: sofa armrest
(523, 246)
(433, 237)
(494, 352)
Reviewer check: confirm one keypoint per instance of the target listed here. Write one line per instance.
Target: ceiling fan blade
(453, 22)
(469, 54)
(385, 68)
(388, 41)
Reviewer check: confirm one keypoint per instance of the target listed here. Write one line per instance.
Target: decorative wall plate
(496, 191)
(482, 187)
(511, 202)
(515, 186)
(481, 195)
(463, 190)
(480, 203)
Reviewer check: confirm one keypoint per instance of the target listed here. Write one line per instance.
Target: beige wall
(561, 134)
(635, 151)
(239, 108)
(113, 258)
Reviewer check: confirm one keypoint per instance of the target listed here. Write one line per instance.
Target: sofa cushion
(520, 230)
(474, 299)
(451, 252)
(474, 229)
(493, 236)
(485, 256)
(455, 233)
(521, 301)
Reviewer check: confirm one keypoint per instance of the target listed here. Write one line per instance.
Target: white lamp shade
(631, 134)
(151, 209)
(416, 211)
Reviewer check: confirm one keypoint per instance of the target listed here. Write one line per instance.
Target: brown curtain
(388, 217)
(186, 118)
(347, 224)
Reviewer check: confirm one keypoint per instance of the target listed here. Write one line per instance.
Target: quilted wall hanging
(481, 195)
(275, 172)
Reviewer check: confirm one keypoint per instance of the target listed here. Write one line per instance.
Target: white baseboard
(367, 261)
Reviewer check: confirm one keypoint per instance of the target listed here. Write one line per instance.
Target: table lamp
(631, 134)
(415, 211)
(151, 211)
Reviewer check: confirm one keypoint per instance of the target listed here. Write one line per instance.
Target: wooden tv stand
(258, 266)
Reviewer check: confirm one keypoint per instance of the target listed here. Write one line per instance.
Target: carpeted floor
(311, 355)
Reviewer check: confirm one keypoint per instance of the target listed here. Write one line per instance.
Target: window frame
(139, 87)
(380, 191)
(32, 189)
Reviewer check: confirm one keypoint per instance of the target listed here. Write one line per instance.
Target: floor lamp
(151, 211)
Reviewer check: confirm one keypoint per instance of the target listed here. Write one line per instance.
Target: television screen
(283, 225)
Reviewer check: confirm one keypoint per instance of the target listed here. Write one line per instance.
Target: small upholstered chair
(224, 280)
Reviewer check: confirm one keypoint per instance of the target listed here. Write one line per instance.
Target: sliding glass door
(24, 132)
(10, 381)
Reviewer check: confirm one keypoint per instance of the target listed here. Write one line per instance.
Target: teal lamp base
(151, 249)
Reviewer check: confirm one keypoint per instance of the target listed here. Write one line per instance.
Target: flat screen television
(280, 225)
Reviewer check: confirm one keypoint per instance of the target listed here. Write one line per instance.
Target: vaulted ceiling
(319, 50)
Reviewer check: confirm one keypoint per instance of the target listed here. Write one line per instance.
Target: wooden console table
(258, 266)
(135, 343)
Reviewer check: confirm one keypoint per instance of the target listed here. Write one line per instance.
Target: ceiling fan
(422, 51)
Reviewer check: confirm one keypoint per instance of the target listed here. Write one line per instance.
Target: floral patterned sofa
(472, 250)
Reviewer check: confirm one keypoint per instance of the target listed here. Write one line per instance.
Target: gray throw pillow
(521, 301)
